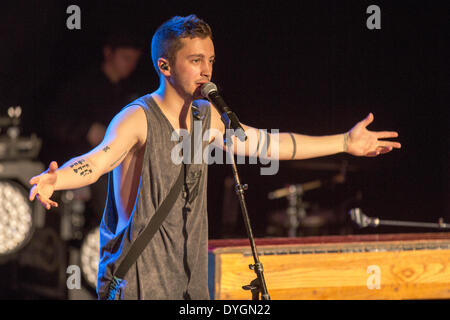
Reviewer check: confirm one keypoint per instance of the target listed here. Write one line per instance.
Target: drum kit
(301, 217)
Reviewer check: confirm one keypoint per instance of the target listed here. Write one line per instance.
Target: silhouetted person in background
(87, 103)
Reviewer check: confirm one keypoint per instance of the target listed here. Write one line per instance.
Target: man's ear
(163, 66)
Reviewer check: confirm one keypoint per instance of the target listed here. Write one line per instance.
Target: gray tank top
(174, 265)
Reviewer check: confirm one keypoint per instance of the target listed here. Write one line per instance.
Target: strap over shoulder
(200, 108)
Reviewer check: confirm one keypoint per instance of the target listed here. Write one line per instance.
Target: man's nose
(206, 70)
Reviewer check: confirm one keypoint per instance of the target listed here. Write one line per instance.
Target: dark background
(309, 67)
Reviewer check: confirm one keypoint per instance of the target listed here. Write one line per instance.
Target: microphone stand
(258, 285)
(363, 221)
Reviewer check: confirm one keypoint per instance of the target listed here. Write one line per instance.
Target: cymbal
(306, 186)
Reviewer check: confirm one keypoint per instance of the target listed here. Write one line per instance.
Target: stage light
(90, 251)
(16, 217)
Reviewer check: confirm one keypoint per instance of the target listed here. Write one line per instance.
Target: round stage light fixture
(90, 256)
(16, 218)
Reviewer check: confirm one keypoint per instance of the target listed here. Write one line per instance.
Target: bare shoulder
(133, 120)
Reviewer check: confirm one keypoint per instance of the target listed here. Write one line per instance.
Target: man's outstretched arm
(358, 141)
(125, 132)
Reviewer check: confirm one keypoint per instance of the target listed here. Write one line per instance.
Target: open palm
(362, 142)
(44, 186)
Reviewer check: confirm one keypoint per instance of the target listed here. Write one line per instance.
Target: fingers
(52, 204)
(53, 167)
(47, 203)
(368, 120)
(34, 180)
(379, 150)
(33, 193)
(383, 150)
(389, 144)
(386, 134)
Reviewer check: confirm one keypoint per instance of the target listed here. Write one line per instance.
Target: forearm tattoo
(257, 146)
(294, 144)
(106, 148)
(81, 167)
(123, 154)
(265, 146)
(255, 154)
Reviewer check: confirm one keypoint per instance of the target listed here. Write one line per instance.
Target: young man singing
(136, 152)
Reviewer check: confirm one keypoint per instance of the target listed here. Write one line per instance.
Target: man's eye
(196, 60)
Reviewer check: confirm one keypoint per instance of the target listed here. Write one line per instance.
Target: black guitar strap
(147, 234)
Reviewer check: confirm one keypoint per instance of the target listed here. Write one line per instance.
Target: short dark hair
(166, 41)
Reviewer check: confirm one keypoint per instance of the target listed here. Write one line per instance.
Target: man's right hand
(44, 185)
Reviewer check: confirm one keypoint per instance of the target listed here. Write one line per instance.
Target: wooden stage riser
(421, 274)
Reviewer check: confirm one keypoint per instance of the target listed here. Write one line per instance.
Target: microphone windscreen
(207, 88)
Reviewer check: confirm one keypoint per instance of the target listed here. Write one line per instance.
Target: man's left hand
(362, 142)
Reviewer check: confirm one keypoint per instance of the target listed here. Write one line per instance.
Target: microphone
(229, 118)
